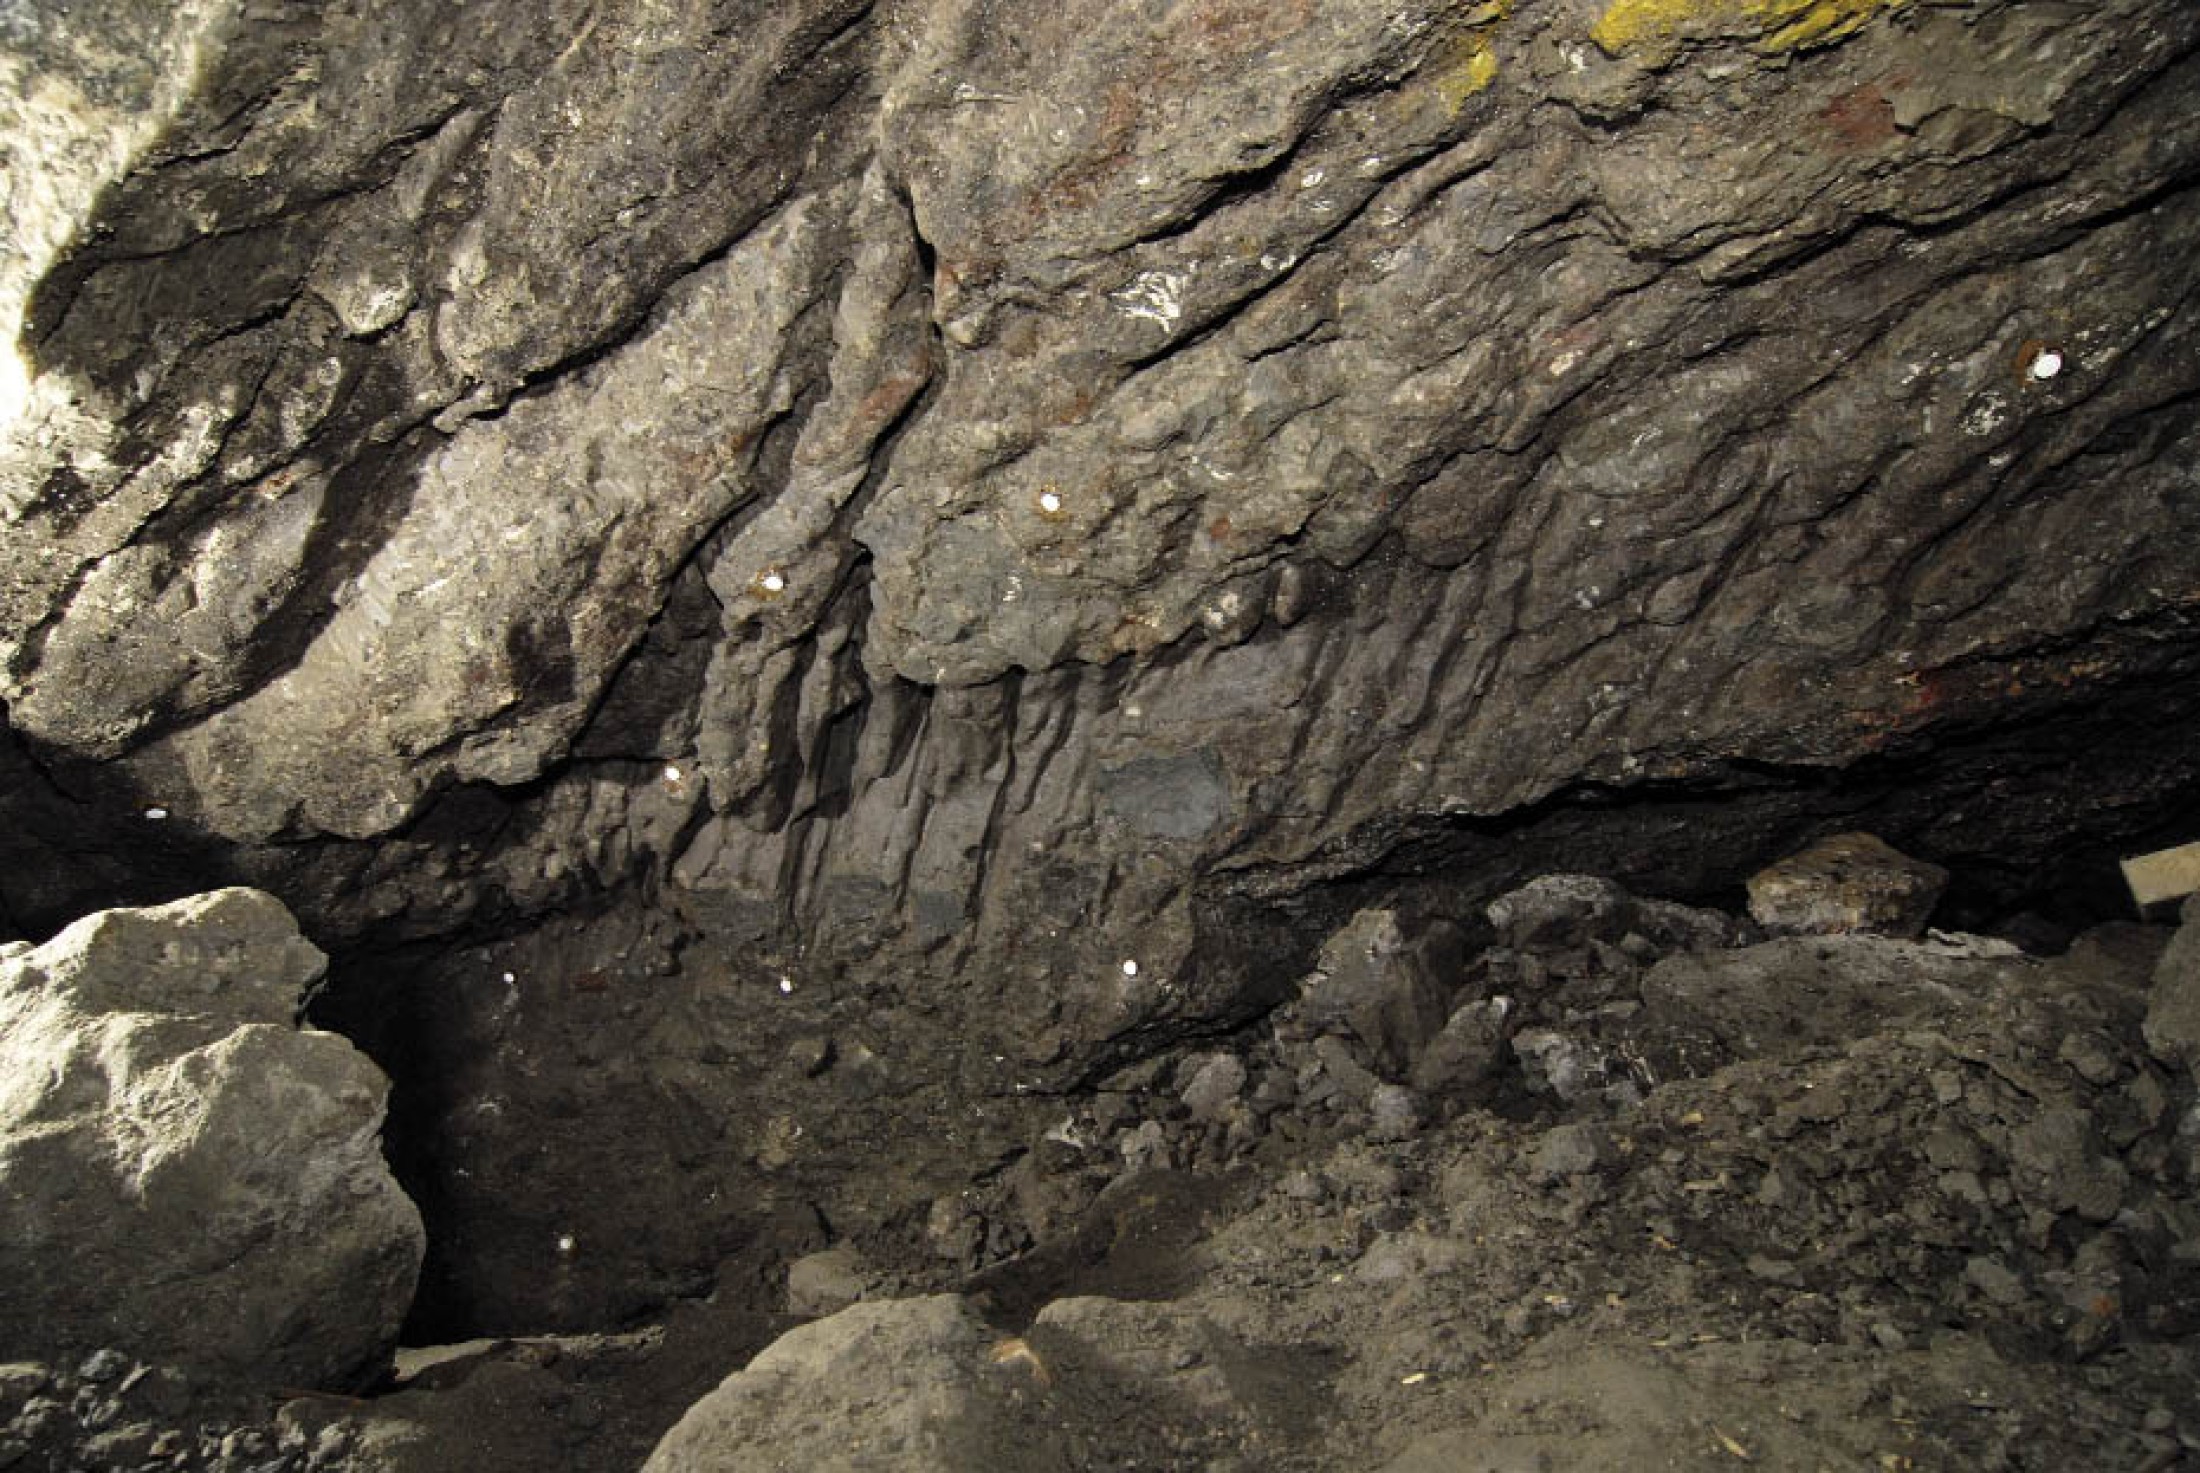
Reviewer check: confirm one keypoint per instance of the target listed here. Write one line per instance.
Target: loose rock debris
(1616, 1183)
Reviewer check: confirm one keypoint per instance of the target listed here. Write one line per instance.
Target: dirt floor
(1629, 1187)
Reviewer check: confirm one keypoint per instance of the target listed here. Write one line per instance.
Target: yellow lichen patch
(1775, 25)
(1627, 24)
(1468, 76)
(1792, 24)
(1469, 61)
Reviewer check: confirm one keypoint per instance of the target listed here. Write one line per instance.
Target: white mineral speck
(1049, 502)
(1130, 968)
(156, 814)
(2046, 364)
(1157, 296)
(672, 772)
(773, 582)
(565, 1242)
(786, 985)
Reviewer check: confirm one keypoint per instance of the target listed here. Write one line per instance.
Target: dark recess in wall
(2030, 819)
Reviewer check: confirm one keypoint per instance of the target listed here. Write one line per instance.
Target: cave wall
(943, 500)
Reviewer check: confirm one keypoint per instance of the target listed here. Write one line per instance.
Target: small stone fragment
(1557, 911)
(1214, 1085)
(1556, 1064)
(1400, 1257)
(1344, 1072)
(954, 1230)
(2091, 1057)
(2057, 1161)
(1565, 912)
(1395, 1114)
(1146, 1148)
(1993, 1278)
(1385, 984)
(1568, 1151)
(810, 1056)
(103, 1365)
(825, 1283)
(1469, 1053)
(1772, 1270)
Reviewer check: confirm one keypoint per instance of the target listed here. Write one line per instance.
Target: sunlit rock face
(967, 504)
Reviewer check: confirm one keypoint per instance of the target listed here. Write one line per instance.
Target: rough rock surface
(2173, 1008)
(186, 1176)
(846, 562)
(1390, 995)
(1849, 882)
(924, 1384)
(908, 1384)
(1171, 441)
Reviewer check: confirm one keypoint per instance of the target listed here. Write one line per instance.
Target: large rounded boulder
(187, 1174)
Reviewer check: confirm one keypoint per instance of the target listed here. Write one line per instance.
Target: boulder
(907, 1384)
(188, 1175)
(1849, 882)
(924, 1384)
(2173, 1006)
(1384, 984)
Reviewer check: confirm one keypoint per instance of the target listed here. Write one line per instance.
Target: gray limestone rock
(825, 1283)
(2173, 1007)
(1469, 1054)
(1212, 1085)
(1849, 882)
(2058, 1161)
(904, 1384)
(1796, 992)
(185, 1173)
(1567, 1067)
(1383, 986)
(1554, 915)
(1571, 1150)
(924, 1384)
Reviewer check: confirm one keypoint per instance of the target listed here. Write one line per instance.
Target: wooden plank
(2163, 875)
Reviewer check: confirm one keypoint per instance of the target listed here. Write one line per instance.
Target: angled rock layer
(1177, 439)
